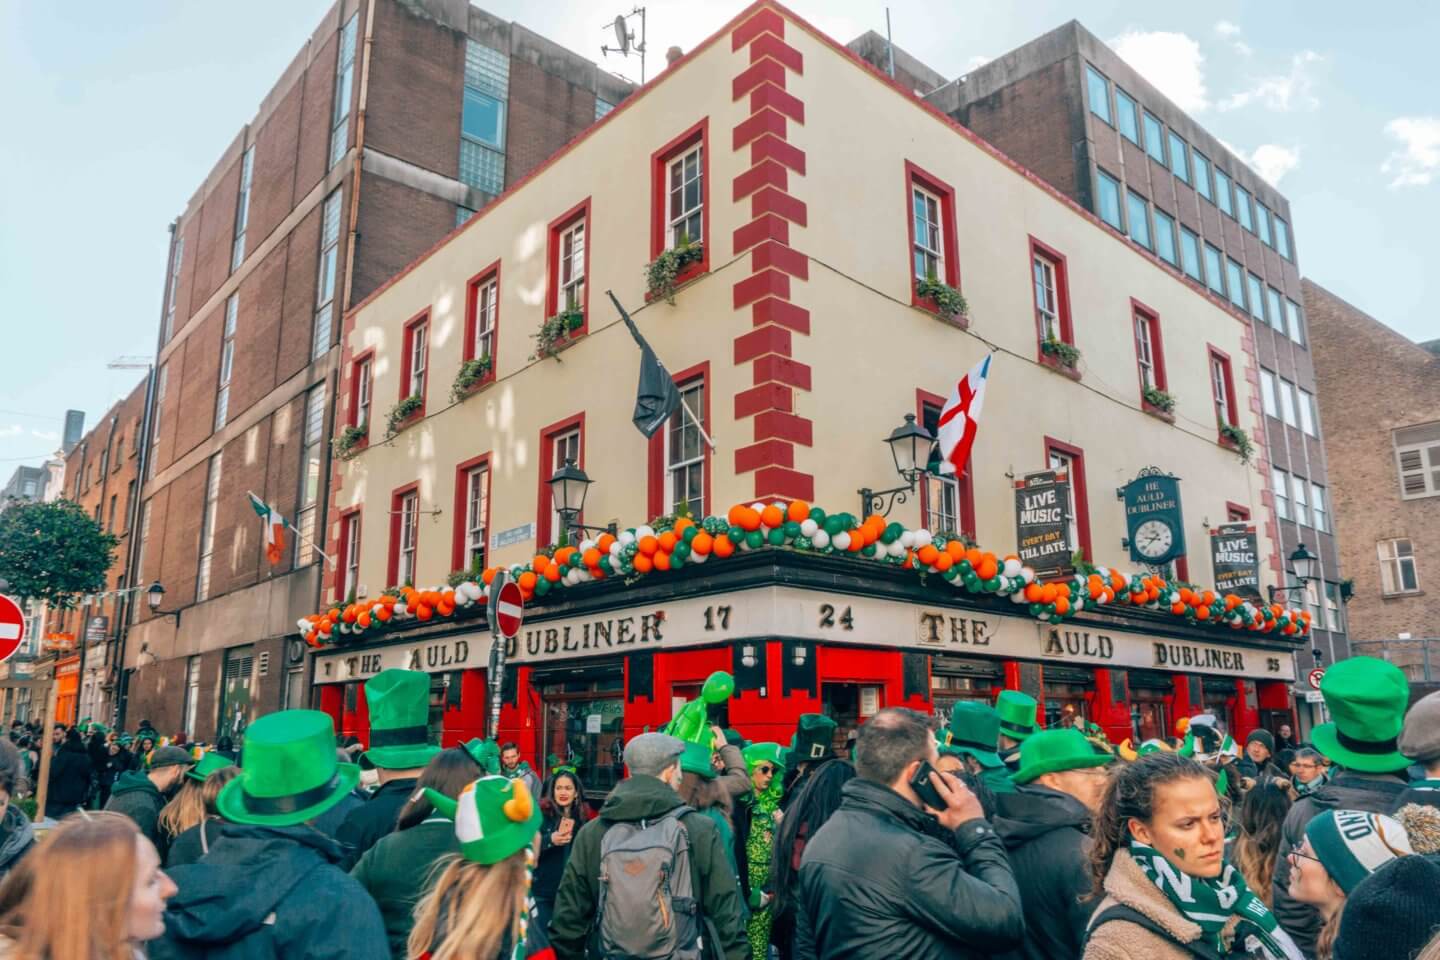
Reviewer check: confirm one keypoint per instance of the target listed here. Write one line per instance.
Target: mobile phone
(924, 789)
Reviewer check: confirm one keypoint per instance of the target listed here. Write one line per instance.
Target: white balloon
(401, 609)
(1012, 567)
(820, 538)
(642, 532)
(697, 557)
(757, 506)
(841, 541)
(896, 549)
(626, 538)
(304, 625)
(1028, 574)
(808, 528)
(616, 547)
(923, 538)
(907, 539)
(587, 545)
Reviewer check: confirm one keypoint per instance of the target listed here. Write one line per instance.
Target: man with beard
(140, 794)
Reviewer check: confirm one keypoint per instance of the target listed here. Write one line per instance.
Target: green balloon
(892, 533)
(676, 561)
(736, 534)
(777, 537)
(950, 573)
(965, 568)
(972, 582)
(689, 533)
(792, 529)
(755, 538)
(834, 525)
(681, 552)
(868, 551)
(542, 587)
(804, 543)
(605, 566)
(1036, 609)
(818, 516)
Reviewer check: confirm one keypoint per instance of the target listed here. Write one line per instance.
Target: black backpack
(1201, 948)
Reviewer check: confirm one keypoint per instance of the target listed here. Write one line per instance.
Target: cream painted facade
(868, 349)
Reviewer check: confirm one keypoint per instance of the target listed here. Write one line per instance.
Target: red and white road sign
(12, 628)
(509, 610)
(1314, 678)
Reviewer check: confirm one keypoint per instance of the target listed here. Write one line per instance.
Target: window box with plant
(675, 266)
(942, 299)
(349, 441)
(1063, 356)
(1160, 403)
(1238, 440)
(404, 413)
(555, 333)
(472, 373)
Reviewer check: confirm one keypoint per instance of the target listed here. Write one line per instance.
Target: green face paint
(1179, 853)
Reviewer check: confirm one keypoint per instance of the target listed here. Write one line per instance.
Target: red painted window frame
(407, 340)
(923, 399)
(366, 356)
(1157, 350)
(1236, 512)
(917, 176)
(1078, 485)
(472, 308)
(344, 548)
(1215, 353)
(581, 211)
(1062, 297)
(659, 193)
(544, 507)
(462, 495)
(393, 548)
(655, 472)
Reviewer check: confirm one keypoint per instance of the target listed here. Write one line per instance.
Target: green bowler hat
(814, 739)
(696, 760)
(288, 773)
(1017, 714)
(973, 732)
(486, 753)
(1054, 751)
(207, 765)
(495, 817)
(1367, 699)
(399, 702)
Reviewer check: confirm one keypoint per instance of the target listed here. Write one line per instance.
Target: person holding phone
(908, 866)
(564, 810)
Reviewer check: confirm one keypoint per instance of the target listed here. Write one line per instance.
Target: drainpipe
(369, 41)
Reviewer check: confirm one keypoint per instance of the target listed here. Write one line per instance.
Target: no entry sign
(509, 610)
(12, 628)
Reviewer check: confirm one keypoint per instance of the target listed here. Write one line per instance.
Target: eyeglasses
(1297, 855)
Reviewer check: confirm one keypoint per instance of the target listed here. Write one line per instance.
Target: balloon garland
(674, 543)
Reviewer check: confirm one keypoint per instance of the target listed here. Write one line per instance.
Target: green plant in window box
(345, 443)
(555, 331)
(949, 302)
(1067, 354)
(661, 273)
(471, 373)
(1159, 399)
(401, 412)
(1238, 439)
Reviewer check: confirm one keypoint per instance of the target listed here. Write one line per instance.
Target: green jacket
(136, 797)
(642, 798)
(399, 869)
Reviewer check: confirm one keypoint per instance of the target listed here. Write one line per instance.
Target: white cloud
(13, 430)
(44, 434)
(1171, 61)
(1290, 91)
(1270, 160)
(1231, 31)
(1416, 162)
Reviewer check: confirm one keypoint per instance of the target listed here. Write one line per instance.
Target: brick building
(1067, 107)
(396, 121)
(1380, 397)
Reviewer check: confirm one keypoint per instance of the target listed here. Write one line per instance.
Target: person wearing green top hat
(203, 817)
(272, 884)
(1045, 824)
(1366, 699)
(811, 745)
(1017, 724)
(188, 807)
(757, 820)
(400, 747)
(973, 735)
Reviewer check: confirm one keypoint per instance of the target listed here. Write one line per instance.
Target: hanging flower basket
(400, 414)
(471, 373)
(1238, 440)
(662, 274)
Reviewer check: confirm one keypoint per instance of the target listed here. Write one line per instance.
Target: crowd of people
(986, 837)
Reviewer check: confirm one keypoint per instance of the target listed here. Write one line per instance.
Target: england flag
(960, 418)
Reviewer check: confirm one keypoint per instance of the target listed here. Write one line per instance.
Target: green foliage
(948, 301)
(660, 273)
(1159, 399)
(344, 443)
(471, 373)
(556, 331)
(1067, 353)
(53, 552)
(401, 412)
(1239, 439)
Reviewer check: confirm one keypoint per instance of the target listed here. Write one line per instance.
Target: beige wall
(868, 349)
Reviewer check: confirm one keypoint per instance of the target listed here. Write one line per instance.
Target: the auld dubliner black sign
(1042, 523)
(1235, 552)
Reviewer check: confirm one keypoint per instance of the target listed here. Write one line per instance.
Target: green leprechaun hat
(399, 702)
(974, 732)
(289, 773)
(1017, 714)
(813, 740)
(486, 753)
(207, 765)
(1055, 751)
(494, 818)
(691, 723)
(1367, 699)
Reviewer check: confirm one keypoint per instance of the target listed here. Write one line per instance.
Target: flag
(960, 418)
(656, 396)
(274, 525)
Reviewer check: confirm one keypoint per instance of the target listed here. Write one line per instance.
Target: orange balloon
(736, 515)
(1048, 593)
(1202, 613)
(702, 543)
(749, 519)
(648, 546)
(798, 510)
(928, 555)
(540, 563)
(974, 556)
(422, 612)
(772, 516)
(988, 568)
(1034, 593)
(667, 541)
(1208, 597)
(605, 542)
(722, 548)
(1177, 608)
(956, 550)
(662, 560)
(643, 563)
(681, 523)
(1062, 605)
(384, 613)
(943, 562)
(527, 580)
(488, 576)
(857, 543)
(591, 557)
(552, 573)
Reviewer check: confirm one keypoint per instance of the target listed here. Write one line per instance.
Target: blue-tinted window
(484, 118)
(1190, 253)
(1154, 138)
(1214, 273)
(1139, 219)
(1273, 308)
(1235, 281)
(1282, 238)
(1222, 192)
(1262, 219)
(1127, 116)
(1256, 294)
(1165, 236)
(1202, 174)
(1107, 199)
(1295, 323)
(1099, 93)
(1179, 157)
(1242, 208)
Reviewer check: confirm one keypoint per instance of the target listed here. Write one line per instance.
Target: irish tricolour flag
(274, 525)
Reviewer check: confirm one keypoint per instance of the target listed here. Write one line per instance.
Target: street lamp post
(568, 486)
(909, 447)
(154, 596)
(1303, 565)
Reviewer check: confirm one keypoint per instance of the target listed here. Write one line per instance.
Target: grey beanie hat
(1420, 737)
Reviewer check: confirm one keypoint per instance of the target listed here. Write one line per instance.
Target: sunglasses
(764, 768)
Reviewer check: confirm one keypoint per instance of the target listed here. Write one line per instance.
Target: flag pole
(698, 425)
(334, 565)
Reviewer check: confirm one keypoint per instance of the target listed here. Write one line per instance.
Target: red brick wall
(217, 225)
(194, 373)
(1029, 120)
(177, 526)
(257, 332)
(312, 159)
(546, 112)
(417, 76)
(272, 183)
(396, 225)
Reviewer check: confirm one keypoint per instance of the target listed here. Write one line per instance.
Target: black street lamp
(910, 448)
(154, 596)
(1304, 566)
(568, 487)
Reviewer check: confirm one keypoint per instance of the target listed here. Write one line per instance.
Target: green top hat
(494, 818)
(289, 773)
(486, 753)
(207, 765)
(1017, 714)
(973, 732)
(1367, 699)
(1054, 751)
(813, 740)
(766, 752)
(399, 702)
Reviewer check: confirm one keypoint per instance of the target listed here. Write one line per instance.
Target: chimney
(673, 54)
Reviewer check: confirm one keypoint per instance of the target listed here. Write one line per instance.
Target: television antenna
(130, 362)
(625, 43)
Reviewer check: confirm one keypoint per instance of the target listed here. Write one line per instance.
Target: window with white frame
(310, 476)
(227, 360)
(1287, 402)
(1300, 499)
(207, 529)
(1397, 567)
(344, 84)
(1314, 591)
(685, 212)
(1334, 606)
(929, 252)
(192, 695)
(140, 556)
(419, 355)
(1280, 486)
(1306, 403)
(326, 274)
(942, 490)
(1417, 457)
(685, 453)
(1294, 322)
(1220, 387)
(572, 266)
(1064, 463)
(563, 446)
(175, 260)
(363, 386)
(487, 301)
(1317, 507)
(1145, 351)
(242, 209)
(409, 520)
(1267, 393)
(1047, 305)
(352, 557)
(477, 508)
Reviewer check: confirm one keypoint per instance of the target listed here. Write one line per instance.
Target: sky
(117, 112)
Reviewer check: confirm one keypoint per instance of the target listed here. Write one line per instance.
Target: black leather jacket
(883, 880)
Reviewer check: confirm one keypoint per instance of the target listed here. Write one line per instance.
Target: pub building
(801, 330)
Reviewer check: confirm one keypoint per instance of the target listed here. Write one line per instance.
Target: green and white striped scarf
(1210, 903)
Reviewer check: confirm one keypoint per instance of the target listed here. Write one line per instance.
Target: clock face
(1153, 539)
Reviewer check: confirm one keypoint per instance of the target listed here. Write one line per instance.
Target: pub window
(685, 452)
(945, 500)
(1397, 567)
